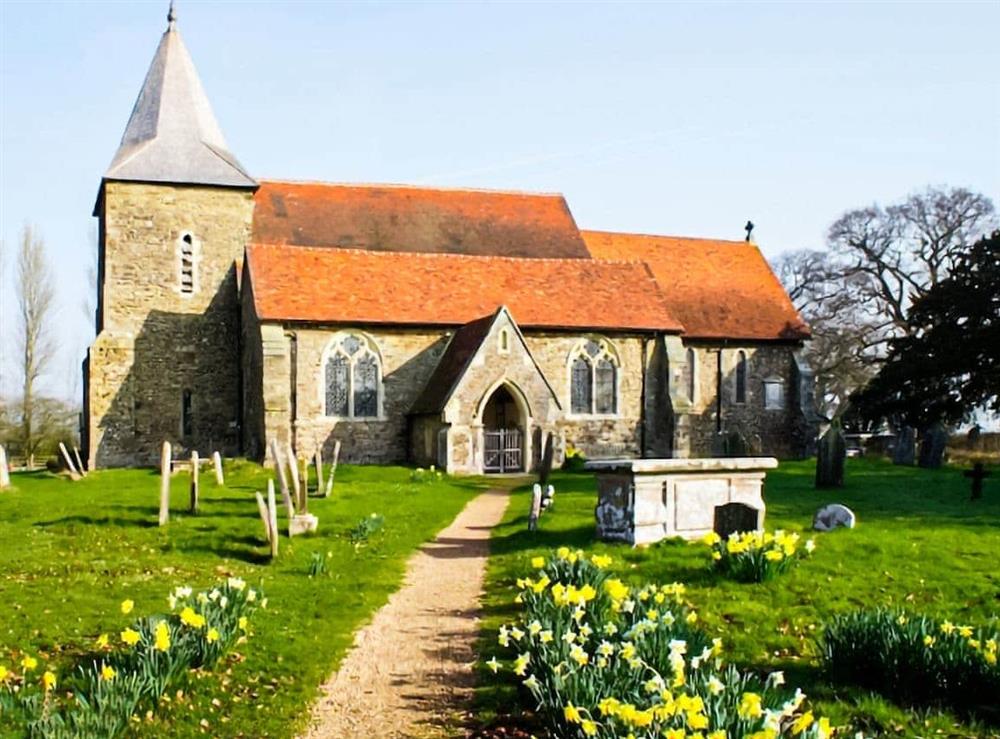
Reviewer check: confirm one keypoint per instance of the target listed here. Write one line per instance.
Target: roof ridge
(447, 255)
(666, 236)
(406, 186)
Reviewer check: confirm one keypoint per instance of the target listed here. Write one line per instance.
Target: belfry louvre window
(593, 373)
(352, 378)
(187, 264)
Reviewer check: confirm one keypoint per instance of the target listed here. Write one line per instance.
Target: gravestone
(165, 484)
(735, 518)
(536, 507)
(319, 470)
(195, 463)
(265, 516)
(333, 469)
(4, 470)
(279, 464)
(973, 437)
(932, 447)
(294, 470)
(73, 474)
(217, 463)
(977, 474)
(79, 462)
(545, 469)
(830, 456)
(904, 451)
(834, 516)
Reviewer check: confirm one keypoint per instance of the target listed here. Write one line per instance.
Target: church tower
(174, 211)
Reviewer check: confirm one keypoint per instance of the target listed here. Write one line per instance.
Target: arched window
(593, 378)
(504, 343)
(741, 377)
(691, 374)
(352, 378)
(186, 266)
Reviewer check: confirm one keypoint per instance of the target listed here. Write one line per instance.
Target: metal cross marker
(977, 474)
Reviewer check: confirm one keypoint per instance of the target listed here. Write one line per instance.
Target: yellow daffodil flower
(127, 606)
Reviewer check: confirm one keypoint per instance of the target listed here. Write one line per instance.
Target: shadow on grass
(97, 521)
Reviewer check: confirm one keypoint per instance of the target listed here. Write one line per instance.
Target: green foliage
(574, 460)
(85, 546)
(317, 563)
(753, 556)
(919, 544)
(365, 529)
(916, 660)
(422, 476)
(600, 658)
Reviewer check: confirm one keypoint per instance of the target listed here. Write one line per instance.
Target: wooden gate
(504, 450)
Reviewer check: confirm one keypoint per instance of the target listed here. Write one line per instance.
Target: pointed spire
(172, 134)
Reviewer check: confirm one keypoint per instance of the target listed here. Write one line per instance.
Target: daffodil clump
(756, 556)
(605, 659)
(130, 671)
(916, 659)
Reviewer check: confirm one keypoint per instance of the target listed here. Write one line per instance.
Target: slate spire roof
(172, 135)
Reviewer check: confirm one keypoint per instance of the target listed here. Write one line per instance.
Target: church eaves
(172, 135)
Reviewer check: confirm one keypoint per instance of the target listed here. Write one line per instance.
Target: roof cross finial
(171, 17)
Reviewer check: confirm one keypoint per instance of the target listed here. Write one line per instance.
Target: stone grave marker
(73, 474)
(333, 469)
(217, 463)
(735, 518)
(536, 507)
(195, 463)
(932, 447)
(830, 457)
(977, 474)
(265, 516)
(294, 470)
(4, 469)
(165, 483)
(319, 470)
(79, 462)
(279, 464)
(834, 516)
(904, 451)
(545, 469)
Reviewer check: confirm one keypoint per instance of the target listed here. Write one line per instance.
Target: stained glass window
(352, 376)
(604, 401)
(581, 389)
(366, 387)
(337, 380)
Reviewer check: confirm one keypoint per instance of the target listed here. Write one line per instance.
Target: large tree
(948, 361)
(35, 299)
(856, 295)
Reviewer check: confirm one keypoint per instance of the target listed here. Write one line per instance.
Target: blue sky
(664, 118)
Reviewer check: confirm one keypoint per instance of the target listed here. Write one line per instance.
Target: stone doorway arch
(504, 419)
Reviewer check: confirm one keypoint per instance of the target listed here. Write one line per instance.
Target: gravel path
(409, 673)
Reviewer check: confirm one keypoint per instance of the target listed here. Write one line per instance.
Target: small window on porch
(504, 341)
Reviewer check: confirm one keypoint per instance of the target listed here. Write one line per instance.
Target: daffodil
(127, 606)
(750, 706)
(521, 664)
(802, 723)
(243, 623)
(493, 664)
(108, 672)
(4, 674)
(572, 714)
(48, 680)
(130, 637)
(162, 636)
(190, 618)
(538, 562)
(28, 662)
(102, 641)
(212, 636)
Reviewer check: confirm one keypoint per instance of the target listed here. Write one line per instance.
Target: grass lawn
(919, 544)
(73, 551)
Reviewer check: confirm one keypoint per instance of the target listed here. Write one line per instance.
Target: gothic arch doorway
(503, 433)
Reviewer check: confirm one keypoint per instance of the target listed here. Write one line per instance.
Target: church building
(456, 327)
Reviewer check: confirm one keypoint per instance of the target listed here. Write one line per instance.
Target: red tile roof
(416, 219)
(321, 285)
(718, 289)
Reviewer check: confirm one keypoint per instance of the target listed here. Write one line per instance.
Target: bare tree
(35, 298)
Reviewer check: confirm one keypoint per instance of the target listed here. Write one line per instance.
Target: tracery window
(593, 371)
(352, 378)
(741, 377)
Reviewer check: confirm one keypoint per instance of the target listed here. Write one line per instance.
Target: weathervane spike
(171, 16)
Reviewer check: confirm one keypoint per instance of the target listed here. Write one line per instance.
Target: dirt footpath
(409, 673)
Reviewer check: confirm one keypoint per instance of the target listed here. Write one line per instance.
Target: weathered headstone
(932, 447)
(536, 507)
(195, 463)
(305, 480)
(833, 516)
(333, 469)
(217, 463)
(735, 518)
(4, 469)
(904, 451)
(545, 469)
(279, 464)
(319, 470)
(272, 514)
(79, 462)
(977, 474)
(265, 516)
(73, 474)
(973, 437)
(293, 468)
(831, 454)
(165, 483)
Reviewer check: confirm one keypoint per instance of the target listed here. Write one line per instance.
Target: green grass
(73, 551)
(919, 544)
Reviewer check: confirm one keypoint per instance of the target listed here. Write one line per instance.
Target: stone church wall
(155, 342)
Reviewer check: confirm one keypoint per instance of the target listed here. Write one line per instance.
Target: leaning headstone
(904, 451)
(977, 474)
(4, 470)
(830, 456)
(294, 470)
(279, 463)
(735, 518)
(217, 463)
(195, 462)
(79, 462)
(932, 447)
(165, 483)
(536, 507)
(319, 470)
(265, 516)
(545, 469)
(333, 469)
(73, 474)
(272, 515)
(833, 516)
